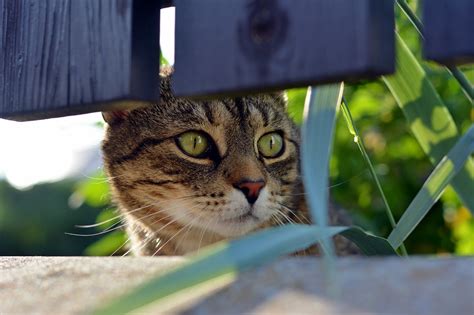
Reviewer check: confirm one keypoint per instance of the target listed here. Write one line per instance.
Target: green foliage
(443, 174)
(428, 118)
(296, 98)
(386, 178)
(396, 159)
(399, 161)
(95, 192)
(34, 221)
(360, 144)
(110, 244)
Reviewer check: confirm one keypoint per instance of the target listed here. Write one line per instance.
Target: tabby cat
(188, 173)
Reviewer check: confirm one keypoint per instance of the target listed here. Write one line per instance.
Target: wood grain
(242, 46)
(449, 31)
(65, 57)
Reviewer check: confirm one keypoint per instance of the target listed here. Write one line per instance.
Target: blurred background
(52, 188)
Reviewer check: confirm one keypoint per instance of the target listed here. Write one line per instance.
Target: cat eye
(194, 143)
(270, 145)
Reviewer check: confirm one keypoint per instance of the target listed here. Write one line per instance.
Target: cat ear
(280, 98)
(115, 117)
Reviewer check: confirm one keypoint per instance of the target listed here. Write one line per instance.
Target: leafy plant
(435, 130)
(429, 119)
(444, 173)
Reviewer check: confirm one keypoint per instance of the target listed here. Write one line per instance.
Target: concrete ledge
(60, 285)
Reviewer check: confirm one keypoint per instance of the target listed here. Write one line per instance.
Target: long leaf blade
(428, 117)
(369, 244)
(317, 135)
(232, 257)
(433, 188)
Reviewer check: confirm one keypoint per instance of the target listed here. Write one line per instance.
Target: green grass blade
(463, 81)
(411, 16)
(433, 188)
(233, 257)
(428, 117)
(360, 144)
(317, 135)
(369, 244)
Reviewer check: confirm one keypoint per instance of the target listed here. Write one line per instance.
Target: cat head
(228, 166)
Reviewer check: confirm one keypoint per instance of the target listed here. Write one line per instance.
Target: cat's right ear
(115, 117)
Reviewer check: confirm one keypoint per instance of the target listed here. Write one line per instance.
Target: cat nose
(250, 188)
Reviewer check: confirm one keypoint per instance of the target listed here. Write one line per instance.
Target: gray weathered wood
(78, 285)
(62, 57)
(240, 46)
(449, 31)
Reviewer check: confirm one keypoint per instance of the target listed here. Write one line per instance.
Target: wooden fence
(63, 57)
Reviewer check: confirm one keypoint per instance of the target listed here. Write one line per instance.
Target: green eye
(270, 145)
(193, 143)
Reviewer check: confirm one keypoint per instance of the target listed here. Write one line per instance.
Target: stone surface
(60, 285)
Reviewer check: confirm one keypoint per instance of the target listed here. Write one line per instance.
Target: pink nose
(251, 189)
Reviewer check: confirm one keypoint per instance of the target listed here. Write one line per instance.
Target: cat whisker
(112, 219)
(113, 227)
(277, 218)
(130, 212)
(141, 218)
(365, 171)
(129, 238)
(198, 216)
(178, 244)
(133, 248)
(121, 246)
(101, 180)
(172, 237)
(204, 231)
(292, 195)
(187, 225)
(186, 212)
(159, 230)
(285, 216)
(294, 213)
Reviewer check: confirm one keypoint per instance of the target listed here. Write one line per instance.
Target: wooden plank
(167, 3)
(449, 31)
(242, 46)
(63, 57)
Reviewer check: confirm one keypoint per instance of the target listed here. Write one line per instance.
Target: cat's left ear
(115, 117)
(280, 98)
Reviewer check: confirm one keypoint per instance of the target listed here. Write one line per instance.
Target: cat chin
(235, 229)
(240, 225)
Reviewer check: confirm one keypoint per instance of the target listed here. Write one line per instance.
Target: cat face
(225, 166)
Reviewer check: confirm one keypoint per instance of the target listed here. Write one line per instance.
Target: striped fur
(173, 203)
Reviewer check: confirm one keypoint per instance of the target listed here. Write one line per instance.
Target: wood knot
(263, 32)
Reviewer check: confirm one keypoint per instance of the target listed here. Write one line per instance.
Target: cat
(186, 173)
